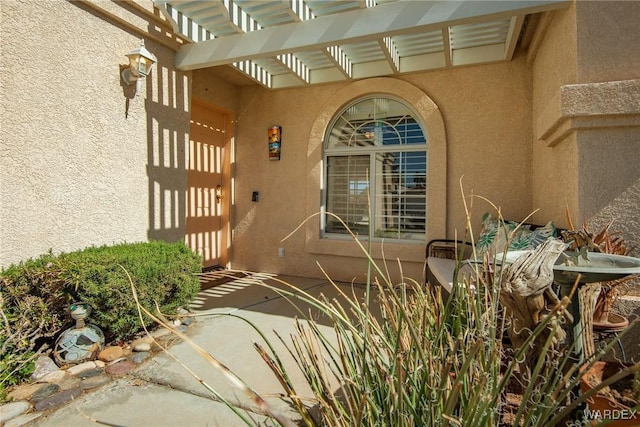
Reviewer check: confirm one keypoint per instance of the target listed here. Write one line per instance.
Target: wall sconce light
(140, 63)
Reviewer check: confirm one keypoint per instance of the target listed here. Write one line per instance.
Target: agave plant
(604, 241)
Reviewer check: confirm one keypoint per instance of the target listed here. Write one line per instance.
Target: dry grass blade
(286, 385)
(232, 378)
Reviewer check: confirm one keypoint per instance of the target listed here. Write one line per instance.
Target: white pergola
(288, 43)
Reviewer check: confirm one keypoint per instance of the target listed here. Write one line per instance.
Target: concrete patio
(162, 393)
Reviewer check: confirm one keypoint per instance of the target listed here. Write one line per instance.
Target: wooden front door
(207, 213)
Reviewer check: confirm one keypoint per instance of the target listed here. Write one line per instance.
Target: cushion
(498, 236)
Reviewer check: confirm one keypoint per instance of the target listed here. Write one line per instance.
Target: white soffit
(288, 43)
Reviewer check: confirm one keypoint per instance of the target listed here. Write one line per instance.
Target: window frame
(371, 151)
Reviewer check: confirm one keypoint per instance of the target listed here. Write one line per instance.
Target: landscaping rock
(75, 370)
(145, 338)
(58, 399)
(54, 377)
(70, 381)
(12, 410)
(96, 381)
(140, 357)
(120, 368)
(90, 373)
(44, 366)
(111, 353)
(53, 387)
(44, 392)
(142, 346)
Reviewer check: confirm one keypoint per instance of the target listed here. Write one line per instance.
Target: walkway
(162, 393)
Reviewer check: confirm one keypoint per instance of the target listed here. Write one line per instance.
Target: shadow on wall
(610, 182)
(167, 150)
(167, 108)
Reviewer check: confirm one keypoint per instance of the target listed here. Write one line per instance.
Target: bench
(444, 255)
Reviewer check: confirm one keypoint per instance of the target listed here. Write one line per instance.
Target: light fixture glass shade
(140, 63)
(141, 60)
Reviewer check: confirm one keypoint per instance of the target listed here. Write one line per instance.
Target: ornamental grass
(402, 356)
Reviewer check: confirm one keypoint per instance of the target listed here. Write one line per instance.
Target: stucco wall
(486, 117)
(487, 114)
(554, 177)
(608, 37)
(586, 117)
(609, 149)
(607, 192)
(212, 89)
(83, 163)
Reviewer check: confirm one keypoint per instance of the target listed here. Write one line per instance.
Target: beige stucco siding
(554, 180)
(486, 137)
(208, 87)
(608, 47)
(586, 117)
(609, 149)
(82, 162)
(610, 181)
(487, 116)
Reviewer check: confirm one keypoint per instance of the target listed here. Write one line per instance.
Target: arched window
(375, 157)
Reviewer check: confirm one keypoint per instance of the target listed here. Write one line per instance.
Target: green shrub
(35, 294)
(162, 273)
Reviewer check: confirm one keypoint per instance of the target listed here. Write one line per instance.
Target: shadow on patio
(226, 292)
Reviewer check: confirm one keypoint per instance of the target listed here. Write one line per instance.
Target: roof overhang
(302, 42)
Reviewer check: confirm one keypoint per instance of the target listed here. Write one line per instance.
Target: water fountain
(594, 267)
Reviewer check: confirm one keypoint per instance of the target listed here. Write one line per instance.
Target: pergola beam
(351, 27)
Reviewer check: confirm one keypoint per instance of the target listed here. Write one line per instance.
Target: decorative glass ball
(81, 342)
(78, 345)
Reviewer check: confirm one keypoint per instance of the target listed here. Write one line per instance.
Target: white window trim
(370, 151)
(433, 122)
